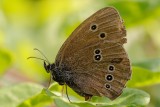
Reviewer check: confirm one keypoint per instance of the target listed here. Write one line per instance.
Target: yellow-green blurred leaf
(5, 60)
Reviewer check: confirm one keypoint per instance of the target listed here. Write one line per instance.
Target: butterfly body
(92, 61)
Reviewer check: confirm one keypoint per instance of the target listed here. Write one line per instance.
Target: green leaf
(133, 97)
(129, 98)
(26, 95)
(39, 100)
(142, 77)
(14, 95)
(153, 64)
(61, 103)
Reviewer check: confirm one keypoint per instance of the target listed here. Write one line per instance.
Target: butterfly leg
(62, 90)
(87, 97)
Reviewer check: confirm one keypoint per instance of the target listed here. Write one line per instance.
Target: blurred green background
(45, 24)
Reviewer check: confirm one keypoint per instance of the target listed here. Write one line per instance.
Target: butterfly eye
(97, 57)
(111, 68)
(107, 86)
(97, 51)
(102, 35)
(93, 27)
(109, 77)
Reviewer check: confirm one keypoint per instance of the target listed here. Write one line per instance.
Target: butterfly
(93, 61)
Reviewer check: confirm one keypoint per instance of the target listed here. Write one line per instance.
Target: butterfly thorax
(57, 75)
(60, 74)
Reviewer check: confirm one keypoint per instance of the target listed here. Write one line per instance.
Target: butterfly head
(55, 72)
(49, 67)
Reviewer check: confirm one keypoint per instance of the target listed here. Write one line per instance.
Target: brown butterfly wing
(94, 52)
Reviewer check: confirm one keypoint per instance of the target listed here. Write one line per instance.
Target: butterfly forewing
(95, 55)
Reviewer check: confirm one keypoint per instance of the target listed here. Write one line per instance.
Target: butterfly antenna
(67, 94)
(42, 54)
(38, 58)
(45, 60)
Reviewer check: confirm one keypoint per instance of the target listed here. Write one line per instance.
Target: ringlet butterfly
(92, 61)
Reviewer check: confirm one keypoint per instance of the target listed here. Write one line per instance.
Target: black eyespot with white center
(102, 35)
(109, 77)
(93, 27)
(97, 57)
(97, 51)
(111, 68)
(107, 86)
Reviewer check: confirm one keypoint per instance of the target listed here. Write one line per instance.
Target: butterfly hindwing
(95, 55)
